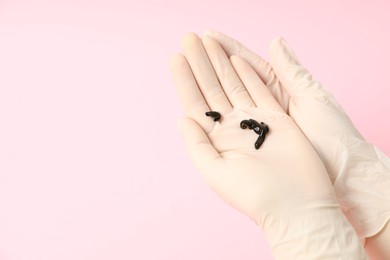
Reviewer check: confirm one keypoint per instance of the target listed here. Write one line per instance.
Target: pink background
(91, 163)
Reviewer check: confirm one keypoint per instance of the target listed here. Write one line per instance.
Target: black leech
(214, 115)
(260, 129)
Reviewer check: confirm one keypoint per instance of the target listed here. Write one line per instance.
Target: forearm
(320, 233)
(377, 246)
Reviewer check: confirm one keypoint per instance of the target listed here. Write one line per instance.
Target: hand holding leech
(283, 186)
(358, 170)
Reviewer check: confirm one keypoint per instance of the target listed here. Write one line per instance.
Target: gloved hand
(283, 186)
(359, 172)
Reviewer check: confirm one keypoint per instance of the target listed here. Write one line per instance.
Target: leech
(214, 115)
(260, 129)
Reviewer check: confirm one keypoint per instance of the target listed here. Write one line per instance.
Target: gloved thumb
(296, 79)
(197, 143)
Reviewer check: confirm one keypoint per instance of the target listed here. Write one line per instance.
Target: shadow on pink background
(91, 163)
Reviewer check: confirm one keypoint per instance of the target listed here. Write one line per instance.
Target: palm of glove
(285, 168)
(285, 173)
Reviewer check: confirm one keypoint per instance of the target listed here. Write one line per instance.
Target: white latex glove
(359, 172)
(283, 186)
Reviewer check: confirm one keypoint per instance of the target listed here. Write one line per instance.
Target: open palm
(285, 173)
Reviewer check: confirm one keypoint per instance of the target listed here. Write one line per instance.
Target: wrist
(315, 231)
(363, 188)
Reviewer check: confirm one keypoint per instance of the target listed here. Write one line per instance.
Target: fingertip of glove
(209, 41)
(276, 43)
(278, 39)
(281, 52)
(189, 39)
(209, 32)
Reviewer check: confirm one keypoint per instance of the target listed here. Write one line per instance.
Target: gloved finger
(233, 47)
(200, 150)
(231, 83)
(204, 74)
(262, 67)
(294, 77)
(255, 86)
(189, 94)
